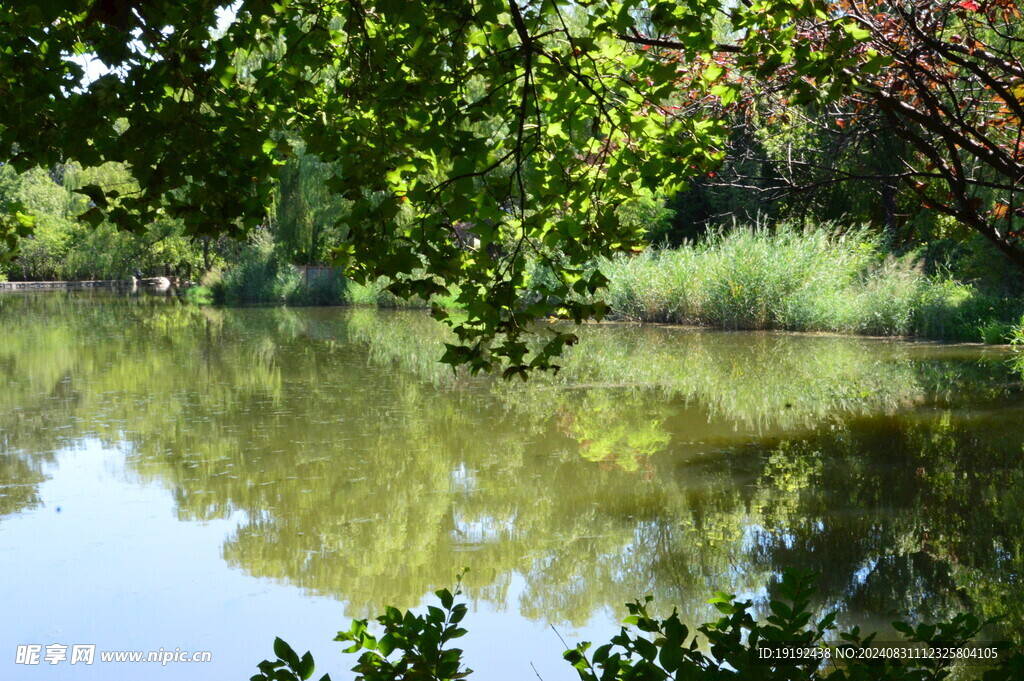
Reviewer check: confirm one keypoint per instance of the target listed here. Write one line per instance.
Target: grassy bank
(803, 282)
(746, 279)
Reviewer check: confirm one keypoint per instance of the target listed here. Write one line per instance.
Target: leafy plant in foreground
(652, 649)
(665, 649)
(420, 640)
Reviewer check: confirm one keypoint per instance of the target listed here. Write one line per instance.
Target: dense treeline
(305, 223)
(795, 271)
(62, 248)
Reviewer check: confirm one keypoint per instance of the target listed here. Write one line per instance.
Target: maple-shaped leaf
(969, 5)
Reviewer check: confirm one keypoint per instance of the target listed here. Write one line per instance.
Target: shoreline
(58, 285)
(155, 283)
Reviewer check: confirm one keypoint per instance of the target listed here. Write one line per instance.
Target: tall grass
(1017, 340)
(376, 294)
(814, 281)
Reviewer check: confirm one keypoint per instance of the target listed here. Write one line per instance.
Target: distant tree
(307, 218)
(61, 248)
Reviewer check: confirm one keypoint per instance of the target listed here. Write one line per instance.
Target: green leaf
(95, 194)
(285, 652)
(305, 667)
(856, 32)
(25, 220)
(903, 628)
(386, 644)
(712, 73)
(726, 93)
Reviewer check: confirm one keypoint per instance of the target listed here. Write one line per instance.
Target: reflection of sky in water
(106, 561)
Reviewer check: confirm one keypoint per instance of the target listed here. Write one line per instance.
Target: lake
(174, 476)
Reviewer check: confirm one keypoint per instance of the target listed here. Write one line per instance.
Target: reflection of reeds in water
(260, 370)
(764, 381)
(759, 380)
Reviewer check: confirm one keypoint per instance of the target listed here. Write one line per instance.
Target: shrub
(261, 276)
(996, 333)
(198, 295)
(1017, 340)
(749, 279)
(326, 288)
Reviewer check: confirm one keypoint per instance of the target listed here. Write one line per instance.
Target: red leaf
(970, 5)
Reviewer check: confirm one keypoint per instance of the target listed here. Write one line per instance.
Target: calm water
(172, 476)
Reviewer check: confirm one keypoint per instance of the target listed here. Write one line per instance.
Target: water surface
(176, 476)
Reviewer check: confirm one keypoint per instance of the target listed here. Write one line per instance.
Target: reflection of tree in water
(671, 464)
(19, 483)
(915, 517)
(29, 437)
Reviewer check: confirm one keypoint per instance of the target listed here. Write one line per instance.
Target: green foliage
(996, 333)
(653, 649)
(744, 279)
(288, 667)
(1017, 341)
(420, 642)
(45, 255)
(665, 649)
(373, 133)
(532, 123)
(60, 248)
(377, 294)
(41, 255)
(264, 274)
(949, 310)
(1017, 333)
(972, 259)
(199, 295)
(649, 214)
(327, 289)
(419, 639)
